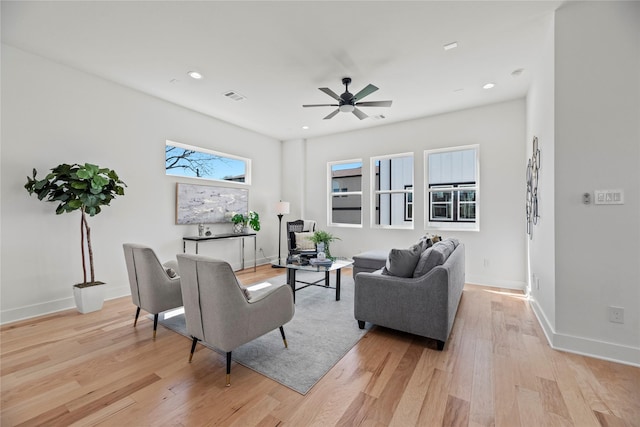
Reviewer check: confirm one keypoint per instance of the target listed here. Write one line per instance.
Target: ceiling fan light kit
(348, 102)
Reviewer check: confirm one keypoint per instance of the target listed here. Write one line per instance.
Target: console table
(228, 236)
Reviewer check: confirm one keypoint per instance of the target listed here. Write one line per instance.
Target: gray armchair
(155, 287)
(221, 312)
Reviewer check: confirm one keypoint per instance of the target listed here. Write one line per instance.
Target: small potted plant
(85, 188)
(323, 238)
(240, 222)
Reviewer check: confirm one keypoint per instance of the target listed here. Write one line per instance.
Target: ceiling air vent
(232, 94)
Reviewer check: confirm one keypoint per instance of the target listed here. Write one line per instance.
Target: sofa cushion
(430, 258)
(455, 241)
(401, 262)
(303, 241)
(447, 246)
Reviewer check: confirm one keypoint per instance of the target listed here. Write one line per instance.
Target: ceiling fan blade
(366, 91)
(320, 105)
(374, 104)
(337, 110)
(359, 114)
(330, 93)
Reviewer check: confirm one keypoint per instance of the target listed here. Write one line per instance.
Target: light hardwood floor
(497, 369)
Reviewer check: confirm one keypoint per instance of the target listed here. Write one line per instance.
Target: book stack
(326, 262)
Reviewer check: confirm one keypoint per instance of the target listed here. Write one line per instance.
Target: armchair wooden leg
(193, 348)
(155, 325)
(283, 337)
(135, 322)
(228, 368)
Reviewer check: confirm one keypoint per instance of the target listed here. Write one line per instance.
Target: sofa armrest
(416, 305)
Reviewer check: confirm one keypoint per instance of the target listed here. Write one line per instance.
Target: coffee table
(336, 266)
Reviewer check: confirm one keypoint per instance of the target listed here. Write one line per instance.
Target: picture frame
(208, 204)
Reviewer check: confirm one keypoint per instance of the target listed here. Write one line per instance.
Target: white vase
(238, 228)
(90, 298)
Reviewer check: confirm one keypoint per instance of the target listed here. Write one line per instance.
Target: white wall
(53, 114)
(597, 146)
(541, 246)
(500, 131)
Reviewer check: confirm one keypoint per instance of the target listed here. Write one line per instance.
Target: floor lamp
(282, 208)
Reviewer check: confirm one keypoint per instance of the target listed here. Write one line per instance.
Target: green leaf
(74, 204)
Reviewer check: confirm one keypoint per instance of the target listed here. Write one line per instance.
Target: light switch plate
(609, 197)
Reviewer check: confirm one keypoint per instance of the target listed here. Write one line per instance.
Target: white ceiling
(278, 53)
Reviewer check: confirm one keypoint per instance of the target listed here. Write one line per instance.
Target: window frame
(340, 193)
(407, 224)
(455, 223)
(247, 163)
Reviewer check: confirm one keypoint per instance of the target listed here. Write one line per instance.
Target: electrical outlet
(616, 314)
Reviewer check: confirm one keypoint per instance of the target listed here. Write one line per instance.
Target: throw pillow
(430, 258)
(303, 241)
(171, 272)
(401, 262)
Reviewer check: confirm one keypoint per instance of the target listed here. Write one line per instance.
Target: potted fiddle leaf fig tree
(86, 188)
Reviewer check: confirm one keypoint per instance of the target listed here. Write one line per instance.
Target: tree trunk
(88, 229)
(84, 268)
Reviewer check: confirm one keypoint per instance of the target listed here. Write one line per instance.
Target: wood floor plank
(504, 379)
(530, 406)
(456, 412)
(496, 369)
(482, 406)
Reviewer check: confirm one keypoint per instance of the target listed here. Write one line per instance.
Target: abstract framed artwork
(206, 204)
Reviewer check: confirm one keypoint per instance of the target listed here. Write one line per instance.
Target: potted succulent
(240, 222)
(322, 239)
(85, 188)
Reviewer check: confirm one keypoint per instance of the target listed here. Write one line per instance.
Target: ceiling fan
(348, 102)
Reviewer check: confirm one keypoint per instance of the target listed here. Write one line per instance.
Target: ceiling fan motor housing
(348, 102)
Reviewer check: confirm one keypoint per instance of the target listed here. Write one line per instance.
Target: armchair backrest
(213, 301)
(149, 281)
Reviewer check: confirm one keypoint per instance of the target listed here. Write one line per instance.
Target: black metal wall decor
(533, 167)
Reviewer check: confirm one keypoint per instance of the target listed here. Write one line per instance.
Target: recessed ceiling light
(489, 86)
(305, 127)
(195, 75)
(450, 46)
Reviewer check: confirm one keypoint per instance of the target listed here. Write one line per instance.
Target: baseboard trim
(505, 284)
(51, 307)
(584, 346)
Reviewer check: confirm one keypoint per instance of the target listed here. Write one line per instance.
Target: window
(345, 193)
(408, 203)
(392, 190)
(194, 162)
(452, 187)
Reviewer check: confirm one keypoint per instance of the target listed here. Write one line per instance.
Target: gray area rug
(321, 332)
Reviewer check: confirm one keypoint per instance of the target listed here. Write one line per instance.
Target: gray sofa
(424, 302)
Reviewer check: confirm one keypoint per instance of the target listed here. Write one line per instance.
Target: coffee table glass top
(336, 265)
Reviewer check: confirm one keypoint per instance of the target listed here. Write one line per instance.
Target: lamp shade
(282, 208)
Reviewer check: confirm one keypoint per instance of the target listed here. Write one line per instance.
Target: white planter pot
(90, 298)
